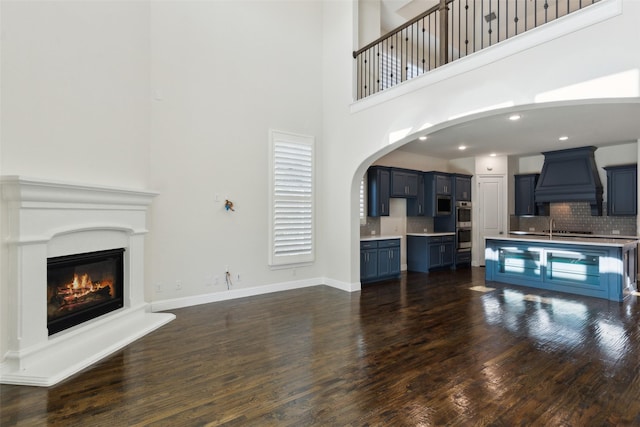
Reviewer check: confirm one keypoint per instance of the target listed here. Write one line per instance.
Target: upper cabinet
(378, 191)
(416, 206)
(463, 187)
(442, 183)
(621, 190)
(525, 186)
(404, 183)
(438, 194)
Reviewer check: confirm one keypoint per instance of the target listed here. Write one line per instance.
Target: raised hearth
(45, 220)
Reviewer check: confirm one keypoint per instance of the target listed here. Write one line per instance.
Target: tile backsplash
(576, 217)
(415, 224)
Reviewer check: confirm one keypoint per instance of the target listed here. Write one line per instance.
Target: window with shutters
(363, 200)
(292, 199)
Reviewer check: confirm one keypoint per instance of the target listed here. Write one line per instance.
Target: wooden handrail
(398, 29)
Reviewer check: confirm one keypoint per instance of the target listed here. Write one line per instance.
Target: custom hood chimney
(570, 176)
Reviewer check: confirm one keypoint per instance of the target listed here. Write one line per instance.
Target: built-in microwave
(463, 214)
(443, 205)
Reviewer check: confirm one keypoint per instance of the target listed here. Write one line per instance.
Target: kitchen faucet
(551, 222)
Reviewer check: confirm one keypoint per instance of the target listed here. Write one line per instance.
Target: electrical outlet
(615, 232)
(238, 277)
(532, 229)
(158, 287)
(178, 285)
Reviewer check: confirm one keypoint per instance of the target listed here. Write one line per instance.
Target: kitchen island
(427, 251)
(597, 267)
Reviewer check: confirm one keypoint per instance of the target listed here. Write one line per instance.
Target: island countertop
(568, 240)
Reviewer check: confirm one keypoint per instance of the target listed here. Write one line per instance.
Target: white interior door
(489, 212)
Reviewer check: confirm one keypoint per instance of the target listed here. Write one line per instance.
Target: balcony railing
(448, 31)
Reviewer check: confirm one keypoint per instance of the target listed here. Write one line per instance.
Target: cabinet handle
(383, 208)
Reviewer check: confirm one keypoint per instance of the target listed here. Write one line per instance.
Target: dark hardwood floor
(422, 351)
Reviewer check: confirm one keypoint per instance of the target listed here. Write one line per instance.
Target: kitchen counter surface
(431, 234)
(376, 237)
(598, 236)
(570, 240)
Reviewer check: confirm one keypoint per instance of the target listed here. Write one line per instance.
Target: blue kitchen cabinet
(368, 260)
(579, 267)
(388, 257)
(525, 186)
(438, 200)
(378, 191)
(425, 253)
(621, 190)
(462, 187)
(404, 183)
(379, 259)
(416, 205)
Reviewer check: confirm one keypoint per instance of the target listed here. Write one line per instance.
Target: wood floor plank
(426, 349)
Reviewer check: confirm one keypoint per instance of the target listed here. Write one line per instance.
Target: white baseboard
(170, 304)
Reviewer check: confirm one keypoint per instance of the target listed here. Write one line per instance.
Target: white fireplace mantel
(43, 219)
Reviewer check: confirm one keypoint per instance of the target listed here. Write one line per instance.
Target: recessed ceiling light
(515, 117)
(462, 147)
(423, 138)
(492, 154)
(563, 138)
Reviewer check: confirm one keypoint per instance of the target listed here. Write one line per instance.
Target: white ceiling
(538, 130)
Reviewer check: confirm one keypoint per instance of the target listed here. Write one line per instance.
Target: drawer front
(388, 243)
(372, 244)
(448, 238)
(436, 239)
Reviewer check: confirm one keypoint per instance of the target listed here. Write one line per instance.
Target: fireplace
(82, 287)
(73, 286)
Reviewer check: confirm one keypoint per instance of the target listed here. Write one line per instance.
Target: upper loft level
(445, 32)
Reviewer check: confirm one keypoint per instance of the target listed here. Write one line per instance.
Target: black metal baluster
(466, 27)
(546, 9)
(459, 29)
(423, 46)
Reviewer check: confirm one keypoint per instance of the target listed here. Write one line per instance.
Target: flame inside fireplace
(83, 288)
(79, 292)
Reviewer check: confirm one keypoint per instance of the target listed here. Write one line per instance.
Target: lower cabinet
(425, 253)
(379, 259)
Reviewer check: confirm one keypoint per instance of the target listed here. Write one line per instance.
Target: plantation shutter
(363, 200)
(292, 208)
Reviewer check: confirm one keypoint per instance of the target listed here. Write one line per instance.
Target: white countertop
(604, 236)
(376, 237)
(450, 233)
(571, 240)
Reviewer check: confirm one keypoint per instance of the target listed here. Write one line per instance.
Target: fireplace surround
(44, 220)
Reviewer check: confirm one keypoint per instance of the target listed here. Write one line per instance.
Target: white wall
(223, 74)
(353, 139)
(403, 159)
(75, 86)
(74, 95)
